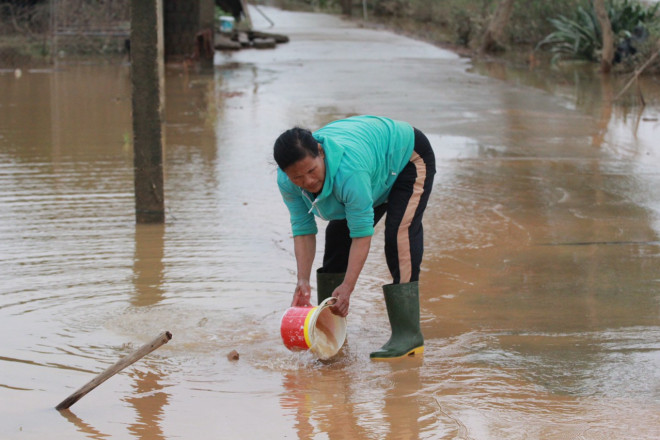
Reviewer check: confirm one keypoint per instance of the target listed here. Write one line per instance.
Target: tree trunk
(347, 7)
(608, 36)
(492, 38)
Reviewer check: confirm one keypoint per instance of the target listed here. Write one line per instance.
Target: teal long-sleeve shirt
(363, 157)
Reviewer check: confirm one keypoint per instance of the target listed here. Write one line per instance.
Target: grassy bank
(460, 24)
(21, 50)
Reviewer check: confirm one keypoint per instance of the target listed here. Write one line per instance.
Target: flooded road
(539, 291)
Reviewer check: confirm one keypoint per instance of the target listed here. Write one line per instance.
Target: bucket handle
(327, 301)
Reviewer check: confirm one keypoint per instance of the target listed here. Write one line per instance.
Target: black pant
(404, 234)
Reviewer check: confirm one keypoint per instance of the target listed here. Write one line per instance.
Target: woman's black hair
(294, 145)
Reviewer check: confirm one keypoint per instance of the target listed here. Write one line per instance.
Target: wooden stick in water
(635, 76)
(162, 339)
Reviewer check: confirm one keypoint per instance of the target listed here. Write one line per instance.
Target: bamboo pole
(272, 23)
(160, 340)
(635, 76)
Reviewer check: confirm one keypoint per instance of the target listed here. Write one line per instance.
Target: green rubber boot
(326, 283)
(402, 301)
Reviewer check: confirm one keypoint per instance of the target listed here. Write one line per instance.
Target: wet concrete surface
(540, 280)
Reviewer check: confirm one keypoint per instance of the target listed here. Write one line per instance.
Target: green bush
(529, 19)
(464, 20)
(580, 36)
(626, 15)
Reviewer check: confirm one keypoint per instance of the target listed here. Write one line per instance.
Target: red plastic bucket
(313, 328)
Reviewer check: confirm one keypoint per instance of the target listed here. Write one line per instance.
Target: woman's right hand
(302, 295)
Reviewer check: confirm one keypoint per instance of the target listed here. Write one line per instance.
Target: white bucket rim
(312, 328)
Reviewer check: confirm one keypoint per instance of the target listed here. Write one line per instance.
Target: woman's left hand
(343, 295)
(302, 294)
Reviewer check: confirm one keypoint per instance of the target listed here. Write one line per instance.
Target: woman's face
(308, 173)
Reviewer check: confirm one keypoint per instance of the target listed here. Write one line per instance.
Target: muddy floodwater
(540, 297)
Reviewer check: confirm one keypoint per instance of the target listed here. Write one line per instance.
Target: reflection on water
(539, 296)
(148, 264)
(623, 125)
(84, 428)
(404, 407)
(149, 401)
(341, 409)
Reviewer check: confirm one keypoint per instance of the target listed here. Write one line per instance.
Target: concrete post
(207, 22)
(147, 79)
(206, 14)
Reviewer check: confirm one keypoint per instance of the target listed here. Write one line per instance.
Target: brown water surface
(539, 291)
